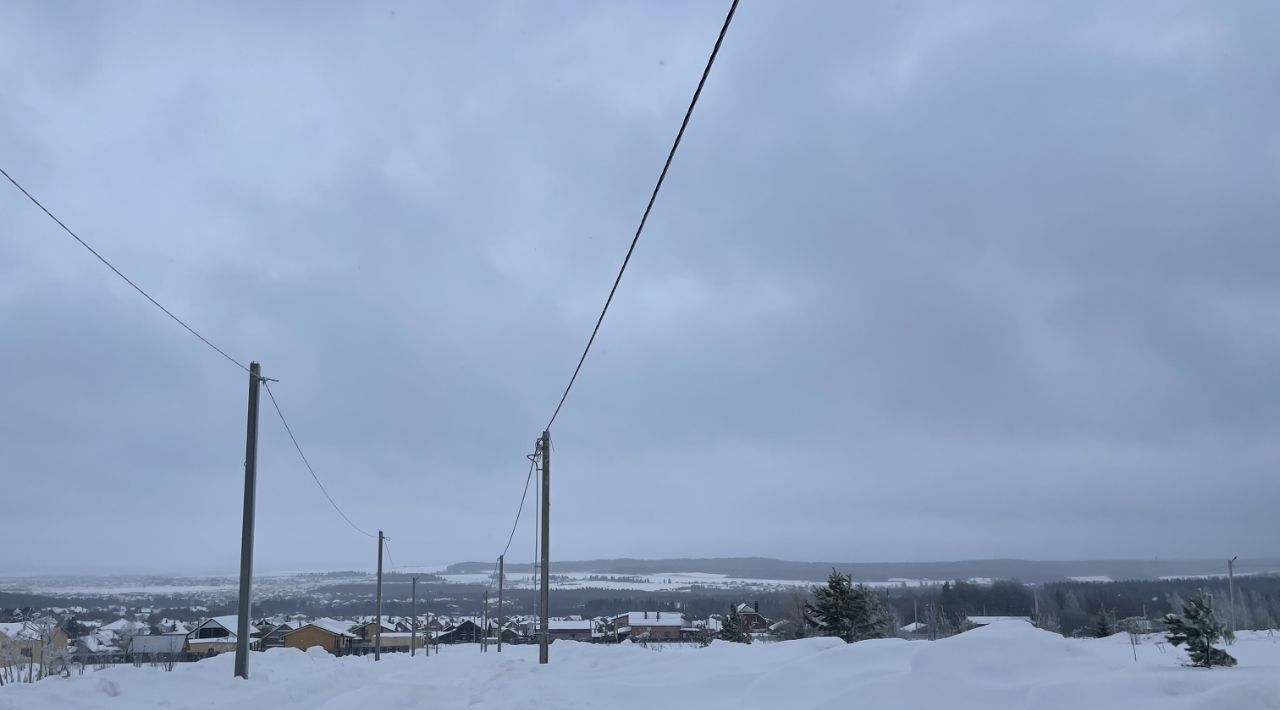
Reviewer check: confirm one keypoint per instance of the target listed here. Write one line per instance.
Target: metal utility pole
(500, 603)
(377, 608)
(484, 619)
(413, 638)
(1231, 591)
(246, 530)
(545, 640)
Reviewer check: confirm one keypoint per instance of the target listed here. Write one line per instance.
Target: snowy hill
(1005, 665)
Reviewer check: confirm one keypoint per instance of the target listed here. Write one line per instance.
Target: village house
(980, 621)
(272, 635)
(120, 631)
(217, 635)
(649, 625)
(464, 631)
(400, 641)
(24, 641)
(570, 629)
(369, 629)
(167, 645)
(330, 634)
(751, 617)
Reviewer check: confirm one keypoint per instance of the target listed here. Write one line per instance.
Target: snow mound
(998, 667)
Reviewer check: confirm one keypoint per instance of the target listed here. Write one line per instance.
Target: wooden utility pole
(1231, 591)
(246, 529)
(484, 620)
(413, 637)
(544, 640)
(377, 607)
(500, 603)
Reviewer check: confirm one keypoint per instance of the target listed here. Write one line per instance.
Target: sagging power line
(120, 273)
(533, 463)
(256, 380)
(648, 208)
(542, 452)
(307, 463)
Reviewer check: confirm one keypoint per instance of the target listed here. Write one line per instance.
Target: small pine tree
(1102, 626)
(845, 611)
(734, 628)
(1199, 628)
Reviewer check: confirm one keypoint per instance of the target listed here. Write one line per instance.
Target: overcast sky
(926, 281)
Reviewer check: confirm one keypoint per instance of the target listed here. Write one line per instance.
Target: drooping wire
(386, 545)
(533, 462)
(119, 273)
(649, 207)
(311, 470)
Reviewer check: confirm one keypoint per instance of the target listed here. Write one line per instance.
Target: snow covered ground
(1006, 665)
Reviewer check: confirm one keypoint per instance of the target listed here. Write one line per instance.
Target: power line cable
(119, 273)
(311, 470)
(533, 462)
(386, 544)
(649, 207)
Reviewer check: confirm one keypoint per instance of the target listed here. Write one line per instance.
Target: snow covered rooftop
(19, 631)
(984, 620)
(333, 626)
(570, 624)
(654, 618)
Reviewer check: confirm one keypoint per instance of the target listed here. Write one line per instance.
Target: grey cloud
(926, 280)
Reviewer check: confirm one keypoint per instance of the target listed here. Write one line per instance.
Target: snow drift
(1006, 665)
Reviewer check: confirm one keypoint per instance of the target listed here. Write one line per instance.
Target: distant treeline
(1029, 571)
(1075, 607)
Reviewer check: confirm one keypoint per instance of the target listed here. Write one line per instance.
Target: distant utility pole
(484, 620)
(1231, 590)
(500, 603)
(246, 530)
(413, 638)
(377, 608)
(544, 641)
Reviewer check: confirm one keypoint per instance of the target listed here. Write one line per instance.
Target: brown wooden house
(329, 634)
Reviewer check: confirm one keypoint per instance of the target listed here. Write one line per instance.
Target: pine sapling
(1199, 628)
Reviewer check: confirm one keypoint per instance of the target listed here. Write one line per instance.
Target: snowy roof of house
(373, 622)
(178, 626)
(914, 627)
(19, 630)
(570, 625)
(654, 618)
(984, 620)
(333, 626)
(122, 625)
(745, 608)
(229, 622)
